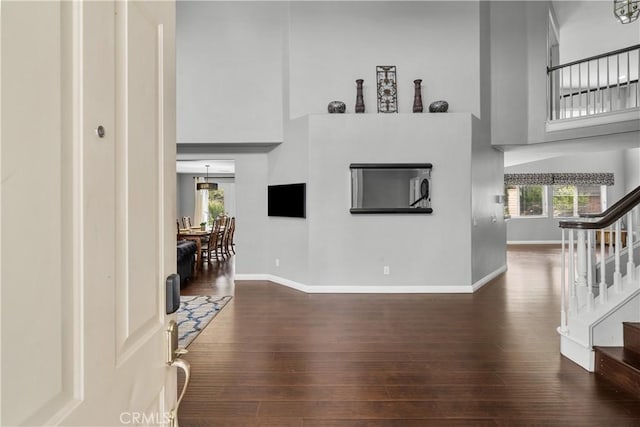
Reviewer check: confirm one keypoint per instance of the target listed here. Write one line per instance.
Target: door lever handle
(173, 359)
(173, 351)
(186, 367)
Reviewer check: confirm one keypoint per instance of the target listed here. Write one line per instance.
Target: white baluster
(582, 258)
(573, 299)
(563, 272)
(611, 245)
(590, 298)
(631, 266)
(617, 275)
(603, 270)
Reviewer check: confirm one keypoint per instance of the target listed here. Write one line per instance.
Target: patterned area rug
(194, 315)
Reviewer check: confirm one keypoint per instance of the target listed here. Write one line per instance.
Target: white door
(88, 234)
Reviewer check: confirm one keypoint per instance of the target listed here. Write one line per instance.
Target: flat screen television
(287, 200)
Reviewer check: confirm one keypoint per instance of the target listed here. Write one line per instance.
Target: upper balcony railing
(600, 84)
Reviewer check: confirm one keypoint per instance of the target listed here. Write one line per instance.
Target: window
(569, 194)
(525, 200)
(216, 204)
(573, 200)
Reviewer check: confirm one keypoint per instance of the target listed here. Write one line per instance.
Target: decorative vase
(439, 107)
(336, 107)
(417, 97)
(359, 98)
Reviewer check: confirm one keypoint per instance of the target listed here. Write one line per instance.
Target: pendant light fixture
(626, 10)
(206, 185)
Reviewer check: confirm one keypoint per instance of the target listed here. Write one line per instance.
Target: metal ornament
(626, 11)
(387, 90)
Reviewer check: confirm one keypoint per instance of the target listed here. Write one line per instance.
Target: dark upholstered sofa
(186, 259)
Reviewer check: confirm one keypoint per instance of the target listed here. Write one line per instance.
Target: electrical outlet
(385, 270)
(277, 262)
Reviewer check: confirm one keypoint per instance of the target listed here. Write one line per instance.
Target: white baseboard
(489, 277)
(534, 242)
(354, 289)
(252, 277)
(290, 284)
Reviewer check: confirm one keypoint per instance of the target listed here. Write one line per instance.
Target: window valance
(598, 178)
(583, 178)
(528, 179)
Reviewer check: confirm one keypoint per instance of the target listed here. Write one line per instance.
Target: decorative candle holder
(417, 97)
(359, 97)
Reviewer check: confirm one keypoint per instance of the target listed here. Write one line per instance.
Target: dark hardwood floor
(278, 357)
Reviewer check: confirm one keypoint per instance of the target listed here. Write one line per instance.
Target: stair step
(631, 333)
(620, 367)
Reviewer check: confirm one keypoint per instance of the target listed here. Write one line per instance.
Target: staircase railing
(591, 239)
(599, 84)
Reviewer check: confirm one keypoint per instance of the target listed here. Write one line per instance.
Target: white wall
(334, 43)
(229, 71)
(421, 250)
(632, 169)
(546, 229)
(251, 213)
(488, 231)
(518, 71)
(508, 72)
(591, 21)
(289, 237)
(537, 16)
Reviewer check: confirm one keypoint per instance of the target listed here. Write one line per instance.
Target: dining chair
(224, 247)
(186, 222)
(211, 245)
(232, 229)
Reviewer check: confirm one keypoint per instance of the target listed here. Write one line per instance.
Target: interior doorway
(203, 206)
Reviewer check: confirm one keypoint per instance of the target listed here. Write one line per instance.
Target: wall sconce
(499, 199)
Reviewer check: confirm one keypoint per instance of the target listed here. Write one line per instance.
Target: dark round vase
(439, 107)
(336, 107)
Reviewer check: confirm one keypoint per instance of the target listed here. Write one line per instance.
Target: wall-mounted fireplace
(391, 188)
